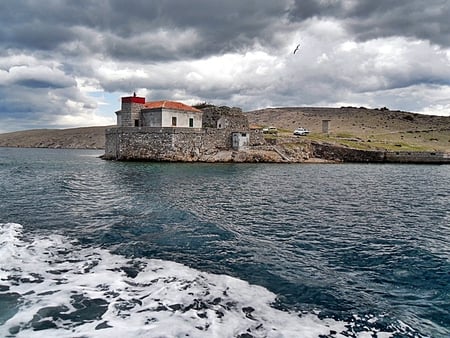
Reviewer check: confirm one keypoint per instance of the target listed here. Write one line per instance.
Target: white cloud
(436, 109)
(77, 116)
(39, 76)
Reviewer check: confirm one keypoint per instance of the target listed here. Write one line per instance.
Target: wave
(55, 287)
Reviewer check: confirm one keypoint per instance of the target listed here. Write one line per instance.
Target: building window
(174, 121)
(136, 123)
(191, 122)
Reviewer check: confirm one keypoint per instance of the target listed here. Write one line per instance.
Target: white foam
(135, 298)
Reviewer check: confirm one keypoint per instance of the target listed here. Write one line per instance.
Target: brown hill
(74, 138)
(368, 128)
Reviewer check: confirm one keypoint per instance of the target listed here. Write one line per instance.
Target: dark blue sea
(94, 248)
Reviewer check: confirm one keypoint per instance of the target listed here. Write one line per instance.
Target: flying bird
(296, 48)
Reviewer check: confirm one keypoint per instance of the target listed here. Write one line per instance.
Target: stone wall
(417, 157)
(129, 113)
(337, 153)
(224, 118)
(165, 144)
(144, 143)
(257, 138)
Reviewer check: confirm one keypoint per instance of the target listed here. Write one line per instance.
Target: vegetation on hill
(361, 128)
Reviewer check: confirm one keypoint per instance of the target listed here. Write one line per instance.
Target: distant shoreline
(73, 138)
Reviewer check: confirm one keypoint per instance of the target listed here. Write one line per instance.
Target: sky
(66, 64)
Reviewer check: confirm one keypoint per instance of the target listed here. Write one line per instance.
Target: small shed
(326, 126)
(240, 140)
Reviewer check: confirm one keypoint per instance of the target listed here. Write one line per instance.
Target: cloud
(367, 19)
(36, 77)
(413, 19)
(59, 58)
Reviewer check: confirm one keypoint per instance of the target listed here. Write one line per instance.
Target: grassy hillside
(360, 127)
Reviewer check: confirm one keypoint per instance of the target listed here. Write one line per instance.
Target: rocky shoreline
(302, 151)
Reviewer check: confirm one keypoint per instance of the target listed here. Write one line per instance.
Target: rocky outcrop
(339, 153)
(243, 156)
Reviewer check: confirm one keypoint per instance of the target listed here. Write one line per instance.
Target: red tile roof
(170, 105)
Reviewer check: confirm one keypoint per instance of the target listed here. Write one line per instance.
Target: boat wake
(50, 286)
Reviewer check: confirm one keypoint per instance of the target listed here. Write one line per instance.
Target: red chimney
(133, 99)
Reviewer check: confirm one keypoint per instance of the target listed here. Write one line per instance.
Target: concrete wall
(182, 118)
(240, 140)
(162, 117)
(151, 118)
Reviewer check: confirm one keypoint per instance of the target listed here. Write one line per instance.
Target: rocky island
(354, 135)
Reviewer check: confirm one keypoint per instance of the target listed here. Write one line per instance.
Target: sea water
(92, 248)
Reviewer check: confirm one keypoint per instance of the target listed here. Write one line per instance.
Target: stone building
(135, 112)
(130, 112)
(173, 131)
(224, 118)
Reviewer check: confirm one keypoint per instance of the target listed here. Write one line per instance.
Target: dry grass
(362, 128)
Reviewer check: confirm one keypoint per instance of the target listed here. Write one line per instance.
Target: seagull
(296, 48)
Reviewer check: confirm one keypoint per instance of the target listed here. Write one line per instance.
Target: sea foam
(61, 289)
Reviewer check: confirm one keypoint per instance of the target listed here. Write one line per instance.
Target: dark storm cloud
(218, 26)
(427, 20)
(41, 36)
(36, 77)
(221, 26)
(368, 19)
(304, 9)
(39, 107)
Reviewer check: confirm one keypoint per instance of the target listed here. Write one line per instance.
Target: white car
(270, 130)
(301, 132)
